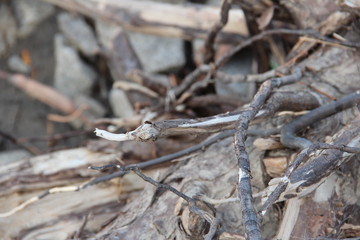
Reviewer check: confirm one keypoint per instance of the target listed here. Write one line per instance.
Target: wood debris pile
(231, 120)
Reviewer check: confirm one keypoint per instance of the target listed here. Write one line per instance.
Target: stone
(78, 33)
(106, 32)
(30, 14)
(16, 64)
(120, 104)
(158, 54)
(8, 28)
(239, 64)
(72, 76)
(120, 55)
(94, 110)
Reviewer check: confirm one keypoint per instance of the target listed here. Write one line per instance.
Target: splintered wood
(178, 172)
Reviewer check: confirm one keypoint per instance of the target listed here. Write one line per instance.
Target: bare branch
(301, 157)
(288, 137)
(250, 220)
(214, 31)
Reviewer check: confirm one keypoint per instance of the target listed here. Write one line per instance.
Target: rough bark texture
(320, 196)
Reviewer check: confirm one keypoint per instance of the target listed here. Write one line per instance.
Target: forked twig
(191, 201)
(252, 229)
(300, 158)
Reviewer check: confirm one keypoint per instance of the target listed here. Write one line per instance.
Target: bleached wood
(184, 21)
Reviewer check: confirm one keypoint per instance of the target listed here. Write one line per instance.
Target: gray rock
(120, 104)
(158, 54)
(16, 64)
(95, 109)
(120, 55)
(106, 32)
(240, 64)
(79, 33)
(11, 156)
(72, 76)
(30, 13)
(8, 28)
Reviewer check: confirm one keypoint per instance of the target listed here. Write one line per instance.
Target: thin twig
(204, 69)
(37, 198)
(288, 137)
(162, 159)
(209, 50)
(213, 229)
(69, 118)
(79, 233)
(290, 101)
(250, 220)
(307, 32)
(229, 78)
(136, 170)
(187, 82)
(136, 87)
(301, 158)
(191, 201)
(29, 147)
(150, 131)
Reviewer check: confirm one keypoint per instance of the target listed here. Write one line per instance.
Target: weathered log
(57, 216)
(188, 22)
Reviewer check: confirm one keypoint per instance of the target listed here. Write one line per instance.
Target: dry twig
(250, 220)
(214, 31)
(301, 158)
(288, 137)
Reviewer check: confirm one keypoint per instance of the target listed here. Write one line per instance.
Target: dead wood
(188, 22)
(215, 189)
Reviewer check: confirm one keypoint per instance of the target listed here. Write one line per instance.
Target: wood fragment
(136, 87)
(267, 144)
(275, 166)
(41, 92)
(188, 22)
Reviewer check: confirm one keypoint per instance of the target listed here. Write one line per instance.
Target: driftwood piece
(188, 22)
(59, 215)
(309, 176)
(200, 175)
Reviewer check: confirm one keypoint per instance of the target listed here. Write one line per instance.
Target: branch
(215, 30)
(301, 157)
(152, 131)
(288, 137)
(188, 22)
(250, 220)
(307, 32)
(191, 201)
(302, 178)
